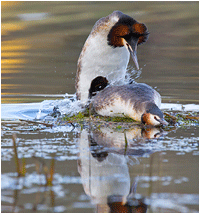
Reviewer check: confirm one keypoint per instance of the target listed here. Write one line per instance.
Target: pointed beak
(131, 45)
(163, 121)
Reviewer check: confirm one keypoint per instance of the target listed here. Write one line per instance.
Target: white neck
(99, 59)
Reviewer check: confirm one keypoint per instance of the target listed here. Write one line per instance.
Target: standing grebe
(107, 50)
(137, 101)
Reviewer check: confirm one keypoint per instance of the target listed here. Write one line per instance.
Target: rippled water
(92, 165)
(97, 167)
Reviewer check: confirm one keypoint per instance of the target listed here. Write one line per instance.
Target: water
(91, 165)
(40, 56)
(95, 170)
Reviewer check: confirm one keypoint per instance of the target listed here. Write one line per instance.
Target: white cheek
(153, 121)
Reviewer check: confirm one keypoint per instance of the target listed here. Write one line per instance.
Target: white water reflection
(109, 170)
(104, 166)
(67, 106)
(169, 202)
(105, 175)
(33, 16)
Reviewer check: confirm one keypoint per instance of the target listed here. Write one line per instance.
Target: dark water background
(41, 43)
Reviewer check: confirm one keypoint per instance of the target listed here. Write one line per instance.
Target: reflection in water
(132, 205)
(116, 141)
(103, 167)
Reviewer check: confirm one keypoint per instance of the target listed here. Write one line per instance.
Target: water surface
(41, 43)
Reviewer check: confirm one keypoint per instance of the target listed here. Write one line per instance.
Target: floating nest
(173, 118)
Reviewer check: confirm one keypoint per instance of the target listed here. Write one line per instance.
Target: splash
(67, 106)
(46, 109)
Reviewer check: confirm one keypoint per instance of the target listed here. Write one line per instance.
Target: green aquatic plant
(82, 116)
(176, 118)
(50, 173)
(126, 143)
(21, 166)
(119, 127)
(75, 117)
(40, 166)
(173, 118)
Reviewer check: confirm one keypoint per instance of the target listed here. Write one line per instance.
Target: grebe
(138, 101)
(107, 50)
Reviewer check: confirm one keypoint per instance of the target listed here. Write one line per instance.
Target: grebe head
(127, 32)
(97, 84)
(153, 116)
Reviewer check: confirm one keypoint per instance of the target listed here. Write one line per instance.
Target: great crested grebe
(138, 101)
(107, 50)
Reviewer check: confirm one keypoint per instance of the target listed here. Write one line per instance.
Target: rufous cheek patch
(147, 133)
(117, 33)
(146, 118)
(140, 29)
(123, 30)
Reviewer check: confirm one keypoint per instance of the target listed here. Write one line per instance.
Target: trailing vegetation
(40, 165)
(173, 118)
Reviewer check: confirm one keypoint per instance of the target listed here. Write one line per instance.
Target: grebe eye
(156, 118)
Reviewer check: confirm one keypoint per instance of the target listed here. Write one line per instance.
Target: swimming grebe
(137, 101)
(107, 50)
